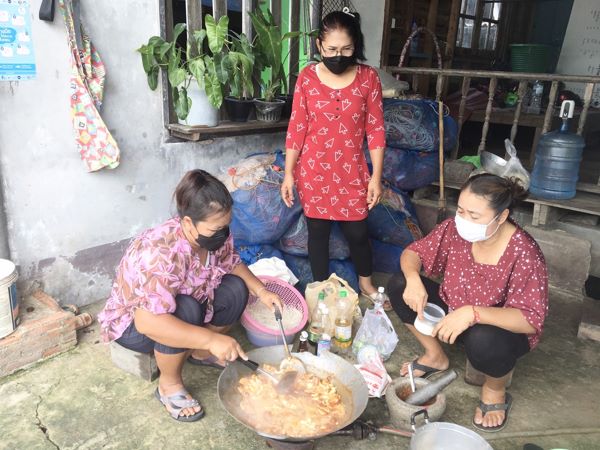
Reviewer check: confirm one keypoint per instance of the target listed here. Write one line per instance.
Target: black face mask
(214, 242)
(337, 64)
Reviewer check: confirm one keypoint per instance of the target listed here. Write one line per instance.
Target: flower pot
(238, 110)
(201, 112)
(286, 112)
(268, 111)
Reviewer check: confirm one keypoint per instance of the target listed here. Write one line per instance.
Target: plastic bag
(394, 219)
(413, 125)
(408, 170)
(377, 330)
(295, 241)
(331, 287)
(259, 215)
(273, 267)
(506, 169)
(301, 268)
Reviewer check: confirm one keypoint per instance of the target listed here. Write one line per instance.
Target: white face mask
(471, 231)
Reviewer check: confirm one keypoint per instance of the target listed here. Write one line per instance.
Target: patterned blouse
(519, 279)
(328, 127)
(158, 265)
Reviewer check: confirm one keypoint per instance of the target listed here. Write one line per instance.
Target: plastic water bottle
(535, 104)
(380, 298)
(414, 44)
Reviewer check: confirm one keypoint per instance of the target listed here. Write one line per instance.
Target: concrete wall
(371, 16)
(66, 227)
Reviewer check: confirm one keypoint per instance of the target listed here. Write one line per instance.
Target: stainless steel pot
(350, 384)
(444, 435)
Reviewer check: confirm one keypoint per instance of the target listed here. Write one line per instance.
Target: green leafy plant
(269, 47)
(238, 65)
(182, 67)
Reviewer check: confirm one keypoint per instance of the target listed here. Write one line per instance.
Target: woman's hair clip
(346, 10)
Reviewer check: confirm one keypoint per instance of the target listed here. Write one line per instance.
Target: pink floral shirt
(158, 265)
(519, 279)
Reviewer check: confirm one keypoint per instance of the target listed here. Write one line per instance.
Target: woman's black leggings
(490, 349)
(357, 235)
(229, 303)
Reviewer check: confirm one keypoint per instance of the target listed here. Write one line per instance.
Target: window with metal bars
(478, 25)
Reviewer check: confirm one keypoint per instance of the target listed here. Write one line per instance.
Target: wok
(349, 383)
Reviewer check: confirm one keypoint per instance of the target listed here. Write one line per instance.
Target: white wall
(65, 224)
(372, 16)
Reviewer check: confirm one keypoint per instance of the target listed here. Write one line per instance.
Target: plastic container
(201, 112)
(557, 159)
(324, 344)
(9, 304)
(263, 336)
(529, 58)
(432, 314)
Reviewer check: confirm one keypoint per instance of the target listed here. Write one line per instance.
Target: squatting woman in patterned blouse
(179, 288)
(337, 105)
(495, 291)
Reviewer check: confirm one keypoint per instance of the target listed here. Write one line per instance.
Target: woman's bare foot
(436, 361)
(490, 396)
(165, 389)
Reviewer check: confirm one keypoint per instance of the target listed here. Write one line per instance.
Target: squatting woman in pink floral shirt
(179, 288)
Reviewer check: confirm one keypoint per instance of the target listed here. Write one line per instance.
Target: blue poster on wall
(17, 61)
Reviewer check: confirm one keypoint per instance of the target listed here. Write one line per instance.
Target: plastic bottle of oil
(343, 321)
(315, 328)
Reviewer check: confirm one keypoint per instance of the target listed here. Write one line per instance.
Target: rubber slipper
(387, 305)
(178, 401)
(489, 407)
(427, 370)
(211, 361)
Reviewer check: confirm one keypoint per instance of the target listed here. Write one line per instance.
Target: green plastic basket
(529, 58)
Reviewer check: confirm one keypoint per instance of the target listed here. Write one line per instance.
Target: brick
(589, 327)
(568, 258)
(139, 364)
(45, 330)
(477, 378)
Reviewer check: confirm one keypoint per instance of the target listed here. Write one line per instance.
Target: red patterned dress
(328, 126)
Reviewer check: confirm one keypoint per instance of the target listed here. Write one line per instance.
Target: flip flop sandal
(178, 401)
(486, 408)
(387, 305)
(427, 370)
(211, 361)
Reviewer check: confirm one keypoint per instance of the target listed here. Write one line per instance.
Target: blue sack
(259, 215)
(394, 219)
(249, 254)
(300, 266)
(295, 241)
(413, 125)
(386, 257)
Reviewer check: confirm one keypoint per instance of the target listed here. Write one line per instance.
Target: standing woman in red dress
(337, 105)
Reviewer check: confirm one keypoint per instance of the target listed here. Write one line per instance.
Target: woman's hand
(415, 295)
(451, 326)
(269, 299)
(225, 348)
(374, 191)
(287, 190)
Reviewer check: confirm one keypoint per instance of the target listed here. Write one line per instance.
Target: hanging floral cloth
(96, 145)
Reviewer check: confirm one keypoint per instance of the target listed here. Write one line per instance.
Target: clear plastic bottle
(535, 104)
(315, 328)
(343, 321)
(324, 344)
(380, 298)
(328, 326)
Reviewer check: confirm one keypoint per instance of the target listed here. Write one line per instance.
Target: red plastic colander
(291, 299)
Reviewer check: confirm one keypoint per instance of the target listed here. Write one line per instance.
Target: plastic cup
(432, 314)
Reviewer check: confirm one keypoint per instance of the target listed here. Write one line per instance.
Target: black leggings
(490, 349)
(229, 303)
(357, 235)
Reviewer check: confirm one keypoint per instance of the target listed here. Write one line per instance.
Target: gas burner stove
(287, 445)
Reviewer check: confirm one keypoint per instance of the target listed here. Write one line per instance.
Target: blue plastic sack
(413, 125)
(259, 215)
(300, 266)
(295, 241)
(394, 219)
(386, 257)
(249, 254)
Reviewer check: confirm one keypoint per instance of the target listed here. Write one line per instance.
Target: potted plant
(269, 46)
(194, 103)
(238, 66)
